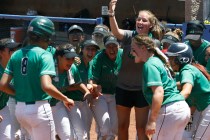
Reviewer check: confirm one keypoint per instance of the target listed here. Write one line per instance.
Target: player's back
(28, 65)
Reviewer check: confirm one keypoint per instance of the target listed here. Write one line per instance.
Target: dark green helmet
(42, 27)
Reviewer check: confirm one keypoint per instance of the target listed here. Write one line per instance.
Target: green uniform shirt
(199, 53)
(156, 74)
(26, 66)
(3, 96)
(200, 94)
(75, 95)
(59, 81)
(105, 71)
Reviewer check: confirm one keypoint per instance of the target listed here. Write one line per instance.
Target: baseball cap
(194, 30)
(90, 42)
(75, 27)
(169, 39)
(9, 43)
(101, 30)
(110, 39)
(69, 53)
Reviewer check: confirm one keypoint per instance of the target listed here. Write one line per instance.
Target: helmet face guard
(182, 52)
(42, 27)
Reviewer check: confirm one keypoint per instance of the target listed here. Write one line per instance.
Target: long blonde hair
(156, 29)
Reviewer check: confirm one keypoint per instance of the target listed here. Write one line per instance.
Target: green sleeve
(152, 76)
(186, 77)
(96, 68)
(75, 74)
(47, 65)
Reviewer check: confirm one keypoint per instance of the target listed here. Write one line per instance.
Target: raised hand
(1, 118)
(112, 5)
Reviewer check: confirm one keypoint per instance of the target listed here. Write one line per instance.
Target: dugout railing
(9, 23)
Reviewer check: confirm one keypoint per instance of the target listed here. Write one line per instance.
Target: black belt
(30, 103)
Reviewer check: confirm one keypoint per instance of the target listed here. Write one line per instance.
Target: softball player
(105, 69)
(194, 39)
(100, 31)
(7, 129)
(32, 68)
(195, 86)
(160, 91)
(64, 54)
(76, 36)
(84, 120)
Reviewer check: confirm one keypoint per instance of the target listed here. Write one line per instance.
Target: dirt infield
(132, 129)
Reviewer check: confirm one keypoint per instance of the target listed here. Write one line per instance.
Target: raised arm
(119, 33)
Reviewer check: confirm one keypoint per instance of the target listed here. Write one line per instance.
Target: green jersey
(75, 95)
(199, 53)
(26, 66)
(200, 94)
(156, 74)
(59, 81)
(105, 71)
(3, 96)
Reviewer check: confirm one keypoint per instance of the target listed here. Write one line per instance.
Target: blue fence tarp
(206, 34)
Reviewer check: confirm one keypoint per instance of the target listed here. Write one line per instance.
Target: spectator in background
(170, 38)
(100, 31)
(194, 39)
(76, 37)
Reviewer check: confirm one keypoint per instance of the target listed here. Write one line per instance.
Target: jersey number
(24, 64)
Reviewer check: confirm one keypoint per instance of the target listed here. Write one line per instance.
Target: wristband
(111, 14)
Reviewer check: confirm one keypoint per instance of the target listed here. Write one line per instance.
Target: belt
(30, 103)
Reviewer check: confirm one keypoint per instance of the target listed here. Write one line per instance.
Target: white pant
(105, 114)
(62, 124)
(5, 125)
(202, 125)
(171, 122)
(37, 119)
(188, 134)
(86, 114)
(16, 129)
(80, 118)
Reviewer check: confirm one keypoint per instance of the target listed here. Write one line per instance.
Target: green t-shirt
(156, 74)
(26, 66)
(199, 53)
(3, 96)
(105, 71)
(200, 94)
(75, 95)
(59, 81)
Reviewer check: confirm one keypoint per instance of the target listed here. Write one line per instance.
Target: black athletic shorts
(130, 98)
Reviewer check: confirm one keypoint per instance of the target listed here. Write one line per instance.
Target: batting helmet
(182, 51)
(42, 27)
